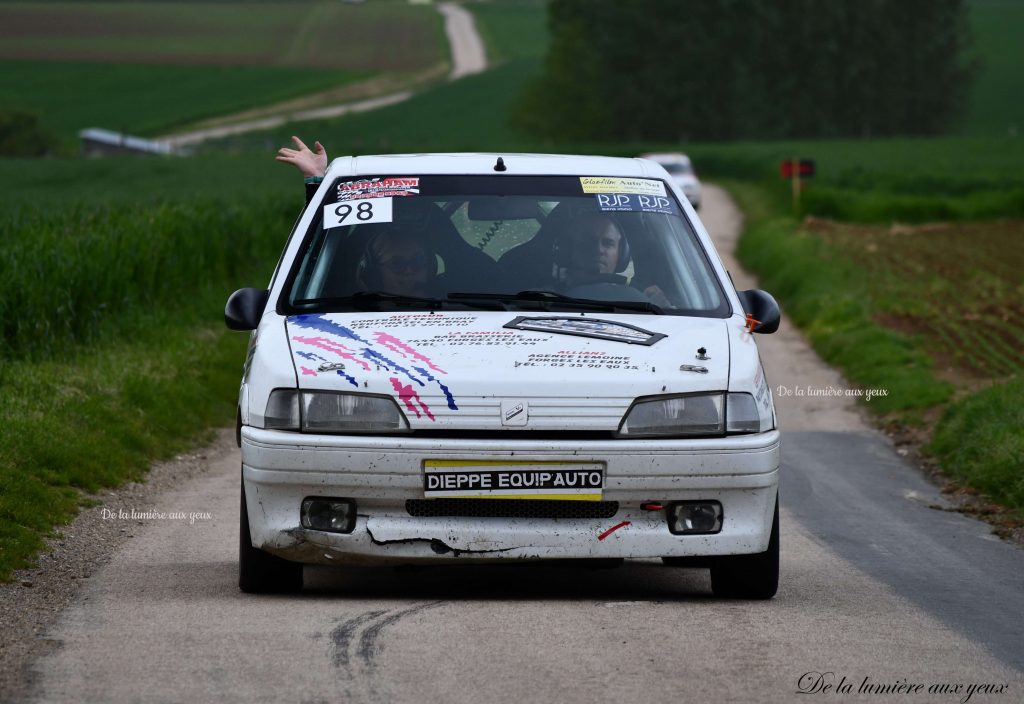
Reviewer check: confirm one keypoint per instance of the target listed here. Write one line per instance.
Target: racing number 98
(364, 212)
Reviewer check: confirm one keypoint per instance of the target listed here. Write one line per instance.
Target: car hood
(502, 370)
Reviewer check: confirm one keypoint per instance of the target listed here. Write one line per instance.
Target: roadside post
(795, 170)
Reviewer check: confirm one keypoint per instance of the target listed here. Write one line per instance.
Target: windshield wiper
(543, 296)
(371, 300)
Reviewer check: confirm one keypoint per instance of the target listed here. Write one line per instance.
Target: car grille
(510, 508)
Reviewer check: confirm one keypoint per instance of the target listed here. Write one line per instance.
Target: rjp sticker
(357, 212)
(628, 202)
(609, 184)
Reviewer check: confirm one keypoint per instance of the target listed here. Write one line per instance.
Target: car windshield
(502, 242)
(677, 168)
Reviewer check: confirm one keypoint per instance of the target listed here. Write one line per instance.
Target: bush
(22, 135)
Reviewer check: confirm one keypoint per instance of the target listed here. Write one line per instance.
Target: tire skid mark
(355, 647)
(341, 637)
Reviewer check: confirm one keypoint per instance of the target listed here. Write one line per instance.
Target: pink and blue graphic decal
(316, 338)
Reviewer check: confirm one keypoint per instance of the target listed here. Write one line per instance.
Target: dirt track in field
(467, 58)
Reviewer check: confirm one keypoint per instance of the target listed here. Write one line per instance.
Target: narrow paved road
(467, 57)
(875, 584)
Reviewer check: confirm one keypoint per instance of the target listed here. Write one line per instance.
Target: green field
(515, 29)
(29, 184)
(149, 100)
(471, 114)
(385, 35)
(908, 179)
(145, 68)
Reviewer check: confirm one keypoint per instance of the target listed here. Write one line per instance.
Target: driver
(596, 245)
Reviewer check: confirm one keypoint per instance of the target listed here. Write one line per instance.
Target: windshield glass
(677, 168)
(410, 242)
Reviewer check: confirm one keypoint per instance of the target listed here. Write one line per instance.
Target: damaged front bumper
(280, 469)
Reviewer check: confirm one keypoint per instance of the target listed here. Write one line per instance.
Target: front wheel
(260, 572)
(749, 576)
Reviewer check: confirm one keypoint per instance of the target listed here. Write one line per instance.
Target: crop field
(513, 30)
(145, 68)
(958, 285)
(385, 35)
(148, 100)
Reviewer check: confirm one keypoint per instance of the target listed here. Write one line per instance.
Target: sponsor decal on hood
(318, 339)
(587, 327)
(449, 368)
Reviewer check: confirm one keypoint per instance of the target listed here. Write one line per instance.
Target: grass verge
(979, 442)
(847, 288)
(100, 417)
(113, 351)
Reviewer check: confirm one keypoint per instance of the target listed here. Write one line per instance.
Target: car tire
(260, 572)
(749, 576)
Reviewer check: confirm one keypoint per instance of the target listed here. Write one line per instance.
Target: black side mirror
(763, 308)
(245, 308)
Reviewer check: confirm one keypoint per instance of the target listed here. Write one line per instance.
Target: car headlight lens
(697, 414)
(331, 412)
(742, 415)
(693, 415)
(282, 410)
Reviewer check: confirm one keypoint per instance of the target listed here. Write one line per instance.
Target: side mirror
(762, 307)
(245, 308)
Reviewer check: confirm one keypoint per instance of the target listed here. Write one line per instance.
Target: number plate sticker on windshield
(357, 212)
(483, 479)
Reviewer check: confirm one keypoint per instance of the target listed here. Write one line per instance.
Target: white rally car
(473, 357)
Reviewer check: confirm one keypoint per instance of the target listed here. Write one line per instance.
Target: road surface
(875, 584)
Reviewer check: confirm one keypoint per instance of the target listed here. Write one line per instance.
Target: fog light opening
(695, 517)
(329, 515)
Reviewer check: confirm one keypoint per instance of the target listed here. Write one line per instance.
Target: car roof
(484, 163)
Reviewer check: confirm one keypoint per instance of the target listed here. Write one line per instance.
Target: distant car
(681, 170)
(473, 358)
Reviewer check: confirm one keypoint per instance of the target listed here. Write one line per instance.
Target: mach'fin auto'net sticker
(587, 327)
(612, 184)
(378, 187)
(357, 212)
(628, 202)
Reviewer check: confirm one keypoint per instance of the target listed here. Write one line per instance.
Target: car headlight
(692, 415)
(333, 412)
(742, 415)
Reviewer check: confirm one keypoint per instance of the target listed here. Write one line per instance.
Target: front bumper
(280, 469)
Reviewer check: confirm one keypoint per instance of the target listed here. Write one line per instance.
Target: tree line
(732, 69)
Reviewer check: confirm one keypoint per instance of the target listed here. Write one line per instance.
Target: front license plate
(564, 481)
